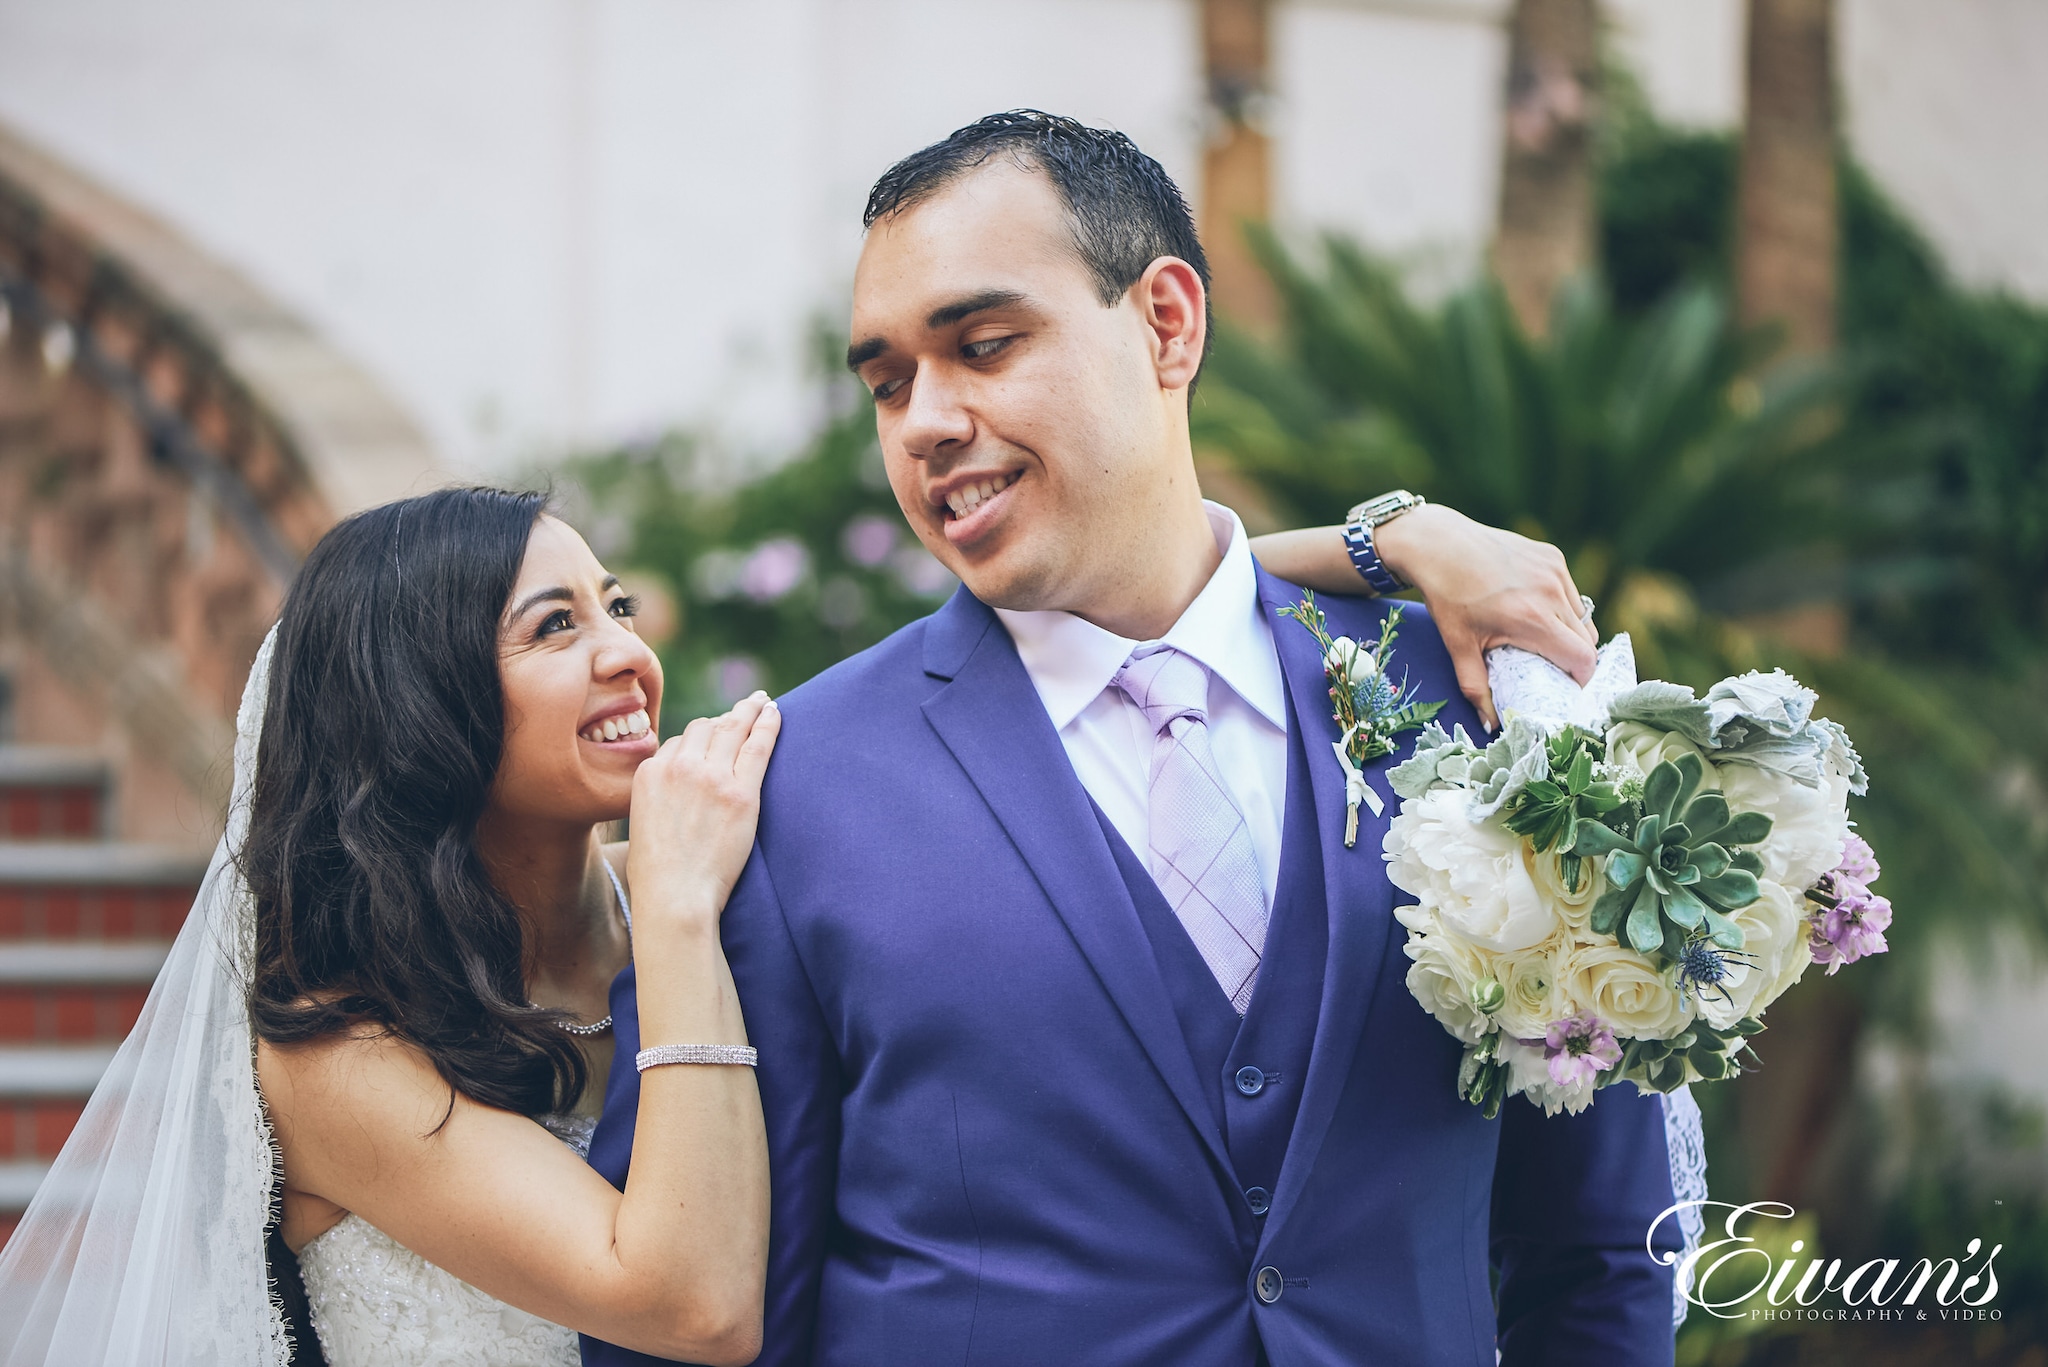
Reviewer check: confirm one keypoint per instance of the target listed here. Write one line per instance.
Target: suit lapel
(1360, 900)
(990, 717)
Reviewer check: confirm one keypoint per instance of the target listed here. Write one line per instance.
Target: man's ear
(1174, 306)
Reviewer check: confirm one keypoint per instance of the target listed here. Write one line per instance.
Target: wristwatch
(1359, 525)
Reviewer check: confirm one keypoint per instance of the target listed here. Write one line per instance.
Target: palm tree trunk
(1786, 232)
(1237, 163)
(1545, 232)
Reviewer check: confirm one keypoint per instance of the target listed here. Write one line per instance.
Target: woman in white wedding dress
(414, 921)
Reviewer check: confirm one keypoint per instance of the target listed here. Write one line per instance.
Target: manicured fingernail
(770, 705)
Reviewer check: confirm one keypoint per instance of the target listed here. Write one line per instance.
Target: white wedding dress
(376, 1303)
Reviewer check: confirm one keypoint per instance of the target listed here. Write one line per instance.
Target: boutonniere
(1369, 707)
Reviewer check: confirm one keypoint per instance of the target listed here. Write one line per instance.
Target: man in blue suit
(1084, 1038)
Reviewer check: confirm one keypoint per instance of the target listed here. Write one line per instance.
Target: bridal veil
(145, 1244)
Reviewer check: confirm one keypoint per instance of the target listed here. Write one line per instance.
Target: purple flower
(1859, 861)
(1579, 1048)
(1853, 928)
(868, 539)
(773, 568)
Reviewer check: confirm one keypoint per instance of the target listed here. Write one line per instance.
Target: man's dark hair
(1127, 212)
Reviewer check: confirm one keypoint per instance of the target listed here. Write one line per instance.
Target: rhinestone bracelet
(695, 1053)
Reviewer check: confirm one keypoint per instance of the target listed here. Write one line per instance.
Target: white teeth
(966, 500)
(616, 728)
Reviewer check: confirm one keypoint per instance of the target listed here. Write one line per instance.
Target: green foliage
(1951, 390)
(1701, 1053)
(1626, 442)
(1548, 810)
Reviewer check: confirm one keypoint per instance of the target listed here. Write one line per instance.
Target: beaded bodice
(376, 1303)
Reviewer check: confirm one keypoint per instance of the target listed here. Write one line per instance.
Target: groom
(1083, 1037)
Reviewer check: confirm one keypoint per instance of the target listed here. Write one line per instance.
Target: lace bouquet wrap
(1621, 883)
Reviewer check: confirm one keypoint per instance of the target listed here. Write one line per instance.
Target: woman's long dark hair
(383, 731)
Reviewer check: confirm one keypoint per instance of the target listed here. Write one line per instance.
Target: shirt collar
(1071, 660)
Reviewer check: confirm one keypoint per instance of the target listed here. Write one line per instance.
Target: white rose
(1533, 980)
(1643, 748)
(1772, 958)
(1471, 875)
(1625, 990)
(1575, 908)
(1808, 825)
(1443, 974)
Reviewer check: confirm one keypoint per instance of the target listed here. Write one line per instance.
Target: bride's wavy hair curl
(384, 726)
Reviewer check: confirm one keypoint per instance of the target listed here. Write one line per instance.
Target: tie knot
(1166, 685)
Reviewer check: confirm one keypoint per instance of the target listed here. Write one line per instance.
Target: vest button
(1259, 1199)
(1250, 1080)
(1268, 1285)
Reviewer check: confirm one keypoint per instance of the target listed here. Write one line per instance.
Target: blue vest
(1252, 1067)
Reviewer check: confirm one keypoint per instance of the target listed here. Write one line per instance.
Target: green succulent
(1676, 872)
(1701, 1053)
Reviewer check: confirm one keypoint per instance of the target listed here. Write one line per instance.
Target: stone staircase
(85, 923)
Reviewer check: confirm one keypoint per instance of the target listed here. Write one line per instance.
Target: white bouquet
(1623, 881)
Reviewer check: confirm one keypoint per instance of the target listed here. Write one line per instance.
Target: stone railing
(172, 443)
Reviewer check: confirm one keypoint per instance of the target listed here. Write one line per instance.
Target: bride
(380, 1042)
(412, 913)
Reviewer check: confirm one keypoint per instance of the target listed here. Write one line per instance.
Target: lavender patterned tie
(1202, 855)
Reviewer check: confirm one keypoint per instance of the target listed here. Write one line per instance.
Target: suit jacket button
(1259, 1199)
(1268, 1284)
(1250, 1080)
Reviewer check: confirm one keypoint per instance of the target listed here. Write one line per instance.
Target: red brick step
(51, 792)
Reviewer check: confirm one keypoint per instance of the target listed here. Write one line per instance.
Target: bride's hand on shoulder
(696, 803)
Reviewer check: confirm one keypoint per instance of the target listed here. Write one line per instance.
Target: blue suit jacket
(989, 1143)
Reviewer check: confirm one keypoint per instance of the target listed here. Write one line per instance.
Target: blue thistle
(1375, 697)
(1703, 966)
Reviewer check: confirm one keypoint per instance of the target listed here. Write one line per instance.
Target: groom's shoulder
(888, 683)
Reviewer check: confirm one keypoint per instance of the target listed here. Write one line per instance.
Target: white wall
(1387, 125)
(547, 222)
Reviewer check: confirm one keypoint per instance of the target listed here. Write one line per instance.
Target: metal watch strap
(695, 1053)
(1359, 526)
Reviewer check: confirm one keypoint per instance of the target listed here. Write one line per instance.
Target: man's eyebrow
(860, 353)
(948, 314)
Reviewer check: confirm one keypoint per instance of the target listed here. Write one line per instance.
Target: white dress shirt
(1071, 662)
